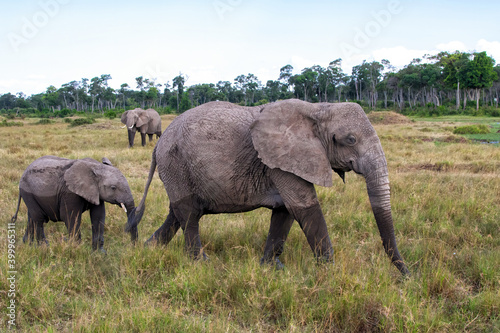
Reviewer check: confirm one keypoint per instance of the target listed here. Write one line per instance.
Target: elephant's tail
(139, 210)
(14, 218)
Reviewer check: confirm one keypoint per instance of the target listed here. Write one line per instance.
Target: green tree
(224, 91)
(285, 75)
(51, 97)
(95, 89)
(123, 90)
(453, 66)
(479, 74)
(178, 82)
(7, 101)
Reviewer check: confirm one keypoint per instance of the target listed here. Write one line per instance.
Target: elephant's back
(44, 174)
(197, 153)
(206, 126)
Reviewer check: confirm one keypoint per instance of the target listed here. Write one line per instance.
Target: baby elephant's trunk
(135, 215)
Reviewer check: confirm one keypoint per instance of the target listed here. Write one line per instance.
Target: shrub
(472, 129)
(63, 113)
(81, 121)
(110, 114)
(44, 121)
(5, 123)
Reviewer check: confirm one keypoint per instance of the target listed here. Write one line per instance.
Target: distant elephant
(143, 121)
(60, 189)
(224, 158)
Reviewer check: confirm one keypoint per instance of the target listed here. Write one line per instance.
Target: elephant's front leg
(313, 225)
(73, 225)
(301, 201)
(143, 139)
(98, 218)
(281, 222)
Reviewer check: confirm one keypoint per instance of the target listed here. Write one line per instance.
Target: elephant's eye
(350, 140)
(113, 187)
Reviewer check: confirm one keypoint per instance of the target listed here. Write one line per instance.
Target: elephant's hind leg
(281, 222)
(35, 228)
(29, 235)
(188, 213)
(167, 231)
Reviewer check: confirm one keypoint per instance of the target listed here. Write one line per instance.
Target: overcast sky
(52, 42)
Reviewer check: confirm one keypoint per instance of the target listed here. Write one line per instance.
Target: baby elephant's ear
(81, 179)
(106, 161)
(283, 135)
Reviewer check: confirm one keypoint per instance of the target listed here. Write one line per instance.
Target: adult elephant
(60, 189)
(224, 158)
(143, 121)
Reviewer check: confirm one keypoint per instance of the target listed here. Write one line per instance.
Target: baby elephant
(60, 189)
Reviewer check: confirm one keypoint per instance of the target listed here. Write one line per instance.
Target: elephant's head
(135, 120)
(97, 182)
(309, 140)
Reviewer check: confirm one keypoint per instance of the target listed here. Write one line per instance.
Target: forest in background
(441, 84)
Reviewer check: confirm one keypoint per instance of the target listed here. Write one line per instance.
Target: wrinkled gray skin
(59, 189)
(143, 121)
(224, 158)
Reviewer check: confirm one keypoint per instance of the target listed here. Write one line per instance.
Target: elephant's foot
(198, 255)
(101, 250)
(326, 259)
(278, 265)
(203, 257)
(41, 242)
(152, 241)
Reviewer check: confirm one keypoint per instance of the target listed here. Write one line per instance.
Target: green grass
(479, 129)
(446, 207)
(472, 129)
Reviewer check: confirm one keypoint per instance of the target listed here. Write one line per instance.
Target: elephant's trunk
(131, 136)
(131, 215)
(377, 184)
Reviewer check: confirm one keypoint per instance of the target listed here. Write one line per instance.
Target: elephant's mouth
(349, 167)
(122, 205)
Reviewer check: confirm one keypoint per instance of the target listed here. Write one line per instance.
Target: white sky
(52, 42)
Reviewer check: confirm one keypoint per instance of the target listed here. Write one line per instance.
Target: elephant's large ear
(81, 179)
(143, 119)
(283, 135)
(124, 117)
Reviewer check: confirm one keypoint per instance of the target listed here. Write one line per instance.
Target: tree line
(445, 83)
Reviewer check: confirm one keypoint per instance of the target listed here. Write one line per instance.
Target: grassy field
(446, 207)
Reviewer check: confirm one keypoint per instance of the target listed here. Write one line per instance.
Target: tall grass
(446, 207)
